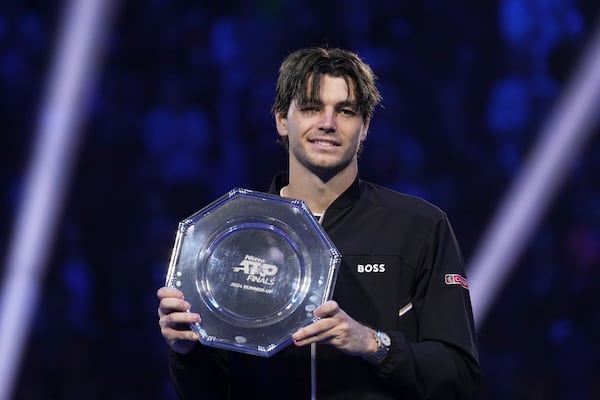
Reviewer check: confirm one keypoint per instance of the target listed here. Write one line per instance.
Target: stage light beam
(561, 140)
(56, 142)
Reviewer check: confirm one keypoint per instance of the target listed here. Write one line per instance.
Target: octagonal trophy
(254, 266)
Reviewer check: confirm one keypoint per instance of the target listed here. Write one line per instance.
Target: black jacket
(416, 293)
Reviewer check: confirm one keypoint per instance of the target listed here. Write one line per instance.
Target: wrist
(382, 345)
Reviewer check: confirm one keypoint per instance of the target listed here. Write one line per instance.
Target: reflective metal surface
(254, 266)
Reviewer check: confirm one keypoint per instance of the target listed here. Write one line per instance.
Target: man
(400, 324)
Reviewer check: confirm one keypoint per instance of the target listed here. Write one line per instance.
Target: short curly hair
(306, 67)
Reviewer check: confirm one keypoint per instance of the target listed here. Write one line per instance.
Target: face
(324, 137)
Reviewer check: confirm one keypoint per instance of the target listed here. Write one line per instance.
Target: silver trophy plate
(254, 266)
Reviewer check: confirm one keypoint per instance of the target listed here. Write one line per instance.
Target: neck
(316, 192)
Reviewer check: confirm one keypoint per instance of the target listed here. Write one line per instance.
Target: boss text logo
(368, 268)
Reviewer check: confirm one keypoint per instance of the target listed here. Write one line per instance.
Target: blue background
(181, 113)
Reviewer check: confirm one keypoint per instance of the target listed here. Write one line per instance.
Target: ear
(365, 131)
(281, 123)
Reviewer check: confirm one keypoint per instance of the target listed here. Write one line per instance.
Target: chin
(327, 170)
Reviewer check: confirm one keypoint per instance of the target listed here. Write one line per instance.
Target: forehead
(327, 86)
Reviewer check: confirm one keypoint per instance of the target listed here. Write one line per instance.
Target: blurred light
(61, 115)
(560, 142)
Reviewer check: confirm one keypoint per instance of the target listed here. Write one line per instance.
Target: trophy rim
(299, 237)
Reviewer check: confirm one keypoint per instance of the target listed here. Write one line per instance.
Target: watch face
(385, 339)
(254, 266)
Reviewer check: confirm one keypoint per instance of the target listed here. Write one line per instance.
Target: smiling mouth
(324, 143)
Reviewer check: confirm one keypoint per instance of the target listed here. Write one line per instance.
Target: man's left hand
(338, 329)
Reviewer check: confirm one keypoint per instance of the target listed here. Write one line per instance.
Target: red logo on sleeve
(456, 279)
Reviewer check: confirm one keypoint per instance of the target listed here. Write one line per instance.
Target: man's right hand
(174, 320)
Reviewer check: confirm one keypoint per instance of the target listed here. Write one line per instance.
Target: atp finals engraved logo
(257, 270)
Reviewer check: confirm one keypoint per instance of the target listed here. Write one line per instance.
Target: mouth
(324, 142)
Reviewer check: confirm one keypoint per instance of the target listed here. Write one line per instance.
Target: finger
(315, 332)
(303, 341)
(184, 335)
(323, 338)
(166, 291)
(327, 309)
(170, 305)
(173, 335)
(179, 320)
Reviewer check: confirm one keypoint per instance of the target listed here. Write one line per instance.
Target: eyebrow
(319, 102)
(348, 103)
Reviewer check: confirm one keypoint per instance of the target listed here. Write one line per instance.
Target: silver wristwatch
(383, 347)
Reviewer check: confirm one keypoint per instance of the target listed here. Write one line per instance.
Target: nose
(327, 121)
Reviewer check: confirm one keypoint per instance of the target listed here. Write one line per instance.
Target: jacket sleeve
(200, 374)
(436, 355)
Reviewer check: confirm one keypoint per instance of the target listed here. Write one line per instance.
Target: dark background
(181, 113)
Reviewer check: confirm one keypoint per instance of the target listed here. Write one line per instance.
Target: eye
(348, 111)
(309, 109)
